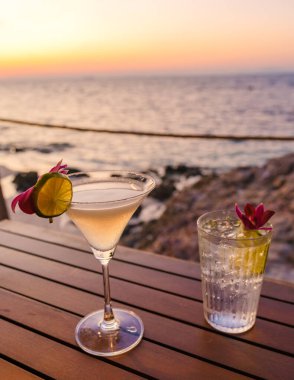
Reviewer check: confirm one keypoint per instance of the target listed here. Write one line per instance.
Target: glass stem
(109, 322)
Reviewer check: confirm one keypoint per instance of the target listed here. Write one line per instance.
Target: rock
(49, 148)
(75, 170)
(44, 150)
(182, 169)
(54, 147)
(25, 180)
(172, 175)
(174, 233)
(12, 148)
(164, 190)
(137, 212)
(277, 167)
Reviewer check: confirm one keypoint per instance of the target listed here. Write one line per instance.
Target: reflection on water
(222, 105)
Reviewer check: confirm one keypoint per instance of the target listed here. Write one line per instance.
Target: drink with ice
(232, 265)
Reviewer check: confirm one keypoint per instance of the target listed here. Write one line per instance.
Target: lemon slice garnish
(250, 258)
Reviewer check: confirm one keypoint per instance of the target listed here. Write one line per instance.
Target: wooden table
(50, 280)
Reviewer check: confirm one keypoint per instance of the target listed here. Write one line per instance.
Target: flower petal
(15, 201)
(238, 211)
(58, 168)
(249, 210)
(247, 223)
(266, 216)
(63, 171)
(255, 217)
(259, 211)
(266, 228)
(24, 201)
(55, 168)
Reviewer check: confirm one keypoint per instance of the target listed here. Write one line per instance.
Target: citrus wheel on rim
(52, 195)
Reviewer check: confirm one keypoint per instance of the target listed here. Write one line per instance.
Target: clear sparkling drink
(232, 265)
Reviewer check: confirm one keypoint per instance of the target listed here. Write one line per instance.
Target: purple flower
(25, 199)
(255, 217)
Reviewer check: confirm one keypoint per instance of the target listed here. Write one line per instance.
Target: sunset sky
(56, 37)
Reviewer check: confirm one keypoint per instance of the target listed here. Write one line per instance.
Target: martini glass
(102, 205)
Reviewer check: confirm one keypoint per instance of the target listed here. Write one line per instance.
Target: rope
(152, 134)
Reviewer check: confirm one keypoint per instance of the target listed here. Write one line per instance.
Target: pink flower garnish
(59, 168)
(25, 199)
(254, 217)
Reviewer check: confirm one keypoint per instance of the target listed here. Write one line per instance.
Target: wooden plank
(52, 322)
(121, 290)
(132, 273)
(274, 290)
(127, 271)
(44, 233)
(154, 300)
(148, 359)
(273, 310)
(76, 301)
(52, 358)
(9, 371)
(152, 260)
(171, 265)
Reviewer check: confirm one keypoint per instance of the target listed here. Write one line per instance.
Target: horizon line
(154, 73)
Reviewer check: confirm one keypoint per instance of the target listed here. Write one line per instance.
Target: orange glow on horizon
(172, 35)
(177, 58)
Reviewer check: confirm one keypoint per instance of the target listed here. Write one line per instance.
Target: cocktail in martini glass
(102, 204)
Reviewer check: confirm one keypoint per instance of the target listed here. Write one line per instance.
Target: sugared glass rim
(231, 213)
(81, 179)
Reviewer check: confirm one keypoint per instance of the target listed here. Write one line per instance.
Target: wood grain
(52, 358)
(9, 371)
(51, 279)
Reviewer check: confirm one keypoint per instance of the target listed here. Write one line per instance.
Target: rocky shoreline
(174, 232)
(166, 224)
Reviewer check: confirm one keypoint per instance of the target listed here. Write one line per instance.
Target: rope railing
(151, 134)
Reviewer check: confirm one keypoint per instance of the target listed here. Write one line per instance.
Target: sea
(251, 105)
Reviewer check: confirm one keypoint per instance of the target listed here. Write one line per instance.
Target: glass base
(228, 325)
(92, 339)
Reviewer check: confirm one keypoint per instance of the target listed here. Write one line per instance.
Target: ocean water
(228, 105)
